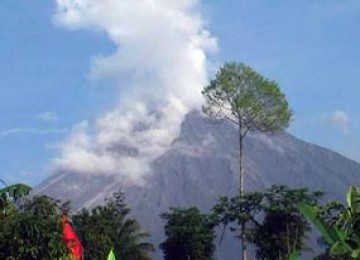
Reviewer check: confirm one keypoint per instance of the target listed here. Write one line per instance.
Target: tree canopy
(273, 223)
(110, 226)
(189, 235)
(242, 95)
(32, 230)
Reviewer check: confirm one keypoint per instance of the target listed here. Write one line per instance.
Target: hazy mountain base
(202, 164)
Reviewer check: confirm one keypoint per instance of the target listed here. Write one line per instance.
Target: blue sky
(309, 47)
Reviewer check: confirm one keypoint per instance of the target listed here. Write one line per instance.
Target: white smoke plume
(160, 67)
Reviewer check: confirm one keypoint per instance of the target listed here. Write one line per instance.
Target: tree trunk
(243, 243)
(241, 164)
(242, 191)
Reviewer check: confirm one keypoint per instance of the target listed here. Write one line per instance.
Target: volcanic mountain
(201, 165)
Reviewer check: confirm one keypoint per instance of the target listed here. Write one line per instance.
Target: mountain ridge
(202, 164)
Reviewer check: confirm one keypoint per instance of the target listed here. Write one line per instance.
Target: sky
(47, 63)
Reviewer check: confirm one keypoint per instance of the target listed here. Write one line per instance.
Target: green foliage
(96, 243)
(283, 229)
(245, 97)
(32, 231)
(294, 256)
(11, 194)
(189, 235)
(238, 211)
(16, 191)
(31, 228)
(109, 226)
(273, 223)
(240, 94)
(338, 225)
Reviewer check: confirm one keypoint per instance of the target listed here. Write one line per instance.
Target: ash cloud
(160, 65)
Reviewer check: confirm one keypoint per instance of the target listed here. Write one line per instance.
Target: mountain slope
(202, 164)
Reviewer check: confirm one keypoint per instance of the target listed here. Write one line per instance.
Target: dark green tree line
(110, 226)
(31, 228)
(189, 235)
(274, 224)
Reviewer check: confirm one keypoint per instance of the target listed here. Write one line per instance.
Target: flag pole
(3, 182)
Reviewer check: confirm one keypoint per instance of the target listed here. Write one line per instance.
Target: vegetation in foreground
(277, 220)
(31, 228)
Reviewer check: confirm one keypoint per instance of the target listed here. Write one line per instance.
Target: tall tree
(241, 95)
(189, 235)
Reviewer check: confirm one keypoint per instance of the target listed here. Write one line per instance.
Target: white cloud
(160, 67)
(340, 119)
(35, 131)
(337, 120)
(48, 116)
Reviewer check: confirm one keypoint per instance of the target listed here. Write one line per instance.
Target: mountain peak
(202, 164)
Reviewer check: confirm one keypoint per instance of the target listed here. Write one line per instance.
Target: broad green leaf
(294, 256)
(350, 196)
(340, 248)
(356, 254)
(330, 234)
(342, 234)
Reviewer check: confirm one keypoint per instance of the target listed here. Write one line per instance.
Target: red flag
(71, 240)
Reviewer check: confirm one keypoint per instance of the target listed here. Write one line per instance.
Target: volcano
(202, 164)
